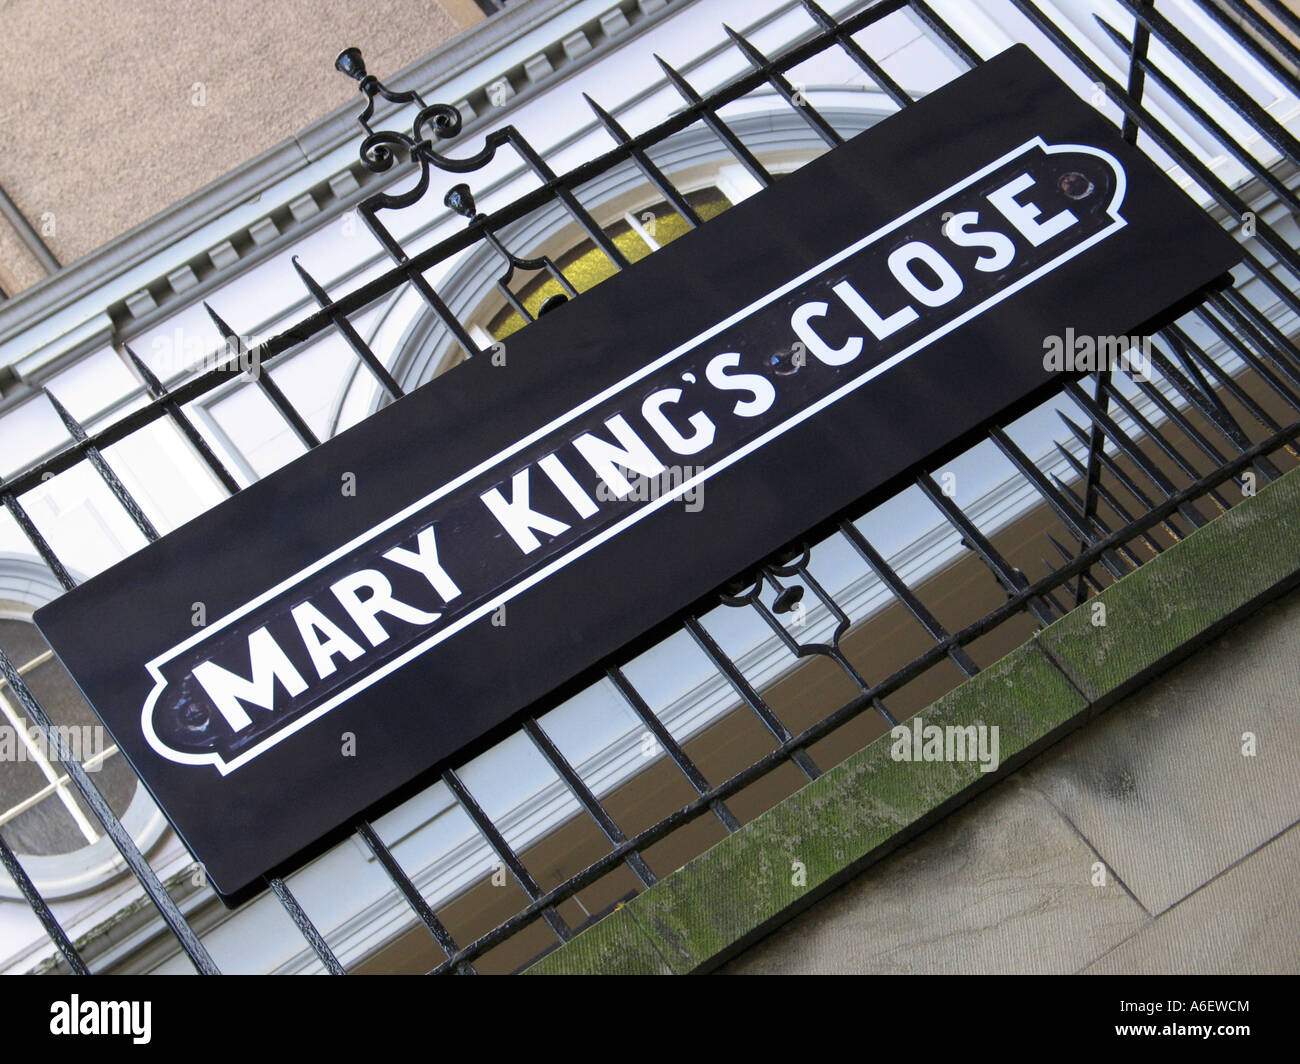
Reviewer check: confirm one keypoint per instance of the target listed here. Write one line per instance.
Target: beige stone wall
(111, 110)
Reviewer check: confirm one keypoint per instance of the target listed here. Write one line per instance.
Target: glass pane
(48, 827)
(116, 782)
(45, 829)
(21, 641)
(19, 777)
(59, 696)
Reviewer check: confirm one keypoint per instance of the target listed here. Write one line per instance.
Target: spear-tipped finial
(69, 422)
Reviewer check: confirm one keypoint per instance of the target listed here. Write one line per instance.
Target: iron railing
(1148, 465)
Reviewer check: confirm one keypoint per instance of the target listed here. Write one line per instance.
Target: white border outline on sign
(362, 682)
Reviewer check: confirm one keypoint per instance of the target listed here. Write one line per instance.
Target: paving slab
(1160, 785)
(1004, 885)
(1247, 921)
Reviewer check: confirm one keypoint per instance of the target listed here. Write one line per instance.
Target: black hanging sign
(514, 523)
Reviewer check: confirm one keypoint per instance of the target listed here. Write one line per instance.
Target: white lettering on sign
(307, 645)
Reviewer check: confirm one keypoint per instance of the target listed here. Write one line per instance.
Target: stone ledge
(853, 814)
(1184, 597)
(731, 895)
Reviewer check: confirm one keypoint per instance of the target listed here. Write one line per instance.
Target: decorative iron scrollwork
(379, 149)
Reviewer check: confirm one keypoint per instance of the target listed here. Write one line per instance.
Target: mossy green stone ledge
(1182, 598)
(614, 946)
(858, 810)
(744, 886)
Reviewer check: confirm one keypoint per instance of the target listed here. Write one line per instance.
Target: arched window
(700, 168)
(43, 818)
(636, 234)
